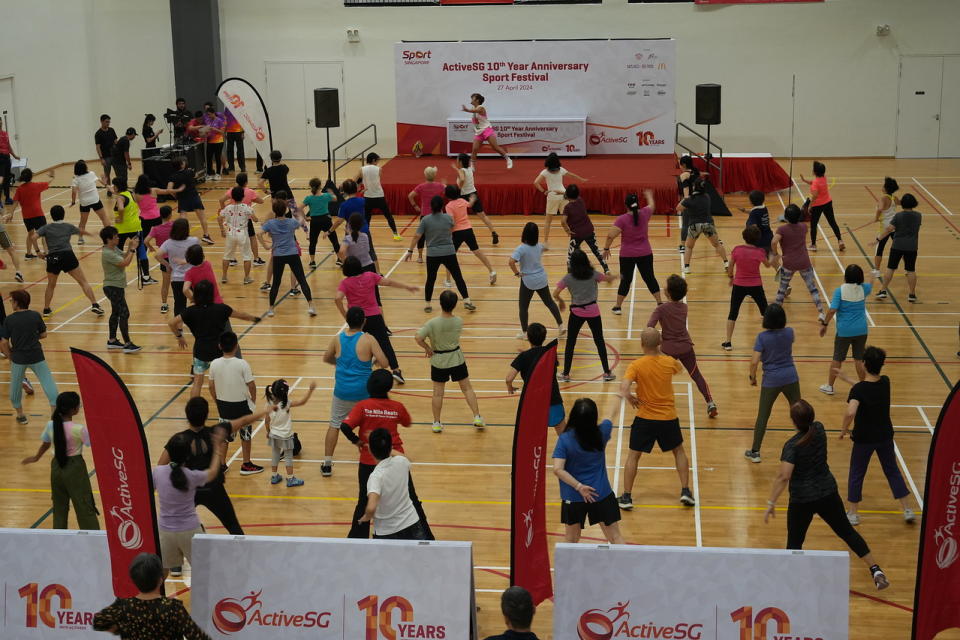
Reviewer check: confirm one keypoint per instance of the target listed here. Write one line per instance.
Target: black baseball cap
(131, 130)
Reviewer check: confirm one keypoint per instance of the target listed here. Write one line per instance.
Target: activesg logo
(231, 615)
(416, 57)
(615, 622)
(379, 624)
(945, 536)
(599, 137)
(128, 531)
(52, 607)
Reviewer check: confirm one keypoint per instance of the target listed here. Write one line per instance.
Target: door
(289, 99)
(918, 119)
(950, 108)
(6, 110)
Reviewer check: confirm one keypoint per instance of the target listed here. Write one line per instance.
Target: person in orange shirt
(215, 124)
(821, 204)
(656, 419)
(458, 207)
(234, 144)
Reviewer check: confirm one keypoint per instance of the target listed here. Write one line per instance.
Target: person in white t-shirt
(373, 196)
(388, 492)
(279, 427)
(84, 189)
(552, 180)
(234, 220)
(234, 388)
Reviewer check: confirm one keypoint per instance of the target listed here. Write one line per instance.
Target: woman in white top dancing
(552, 179)
(483, 130)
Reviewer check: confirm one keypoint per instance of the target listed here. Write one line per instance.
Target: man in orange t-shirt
(656, 419)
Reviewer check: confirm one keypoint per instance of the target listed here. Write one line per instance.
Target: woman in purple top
(581, 280)
(790, 245)
(176, 487)
(635, 249)
(774, 347)
(576, 222)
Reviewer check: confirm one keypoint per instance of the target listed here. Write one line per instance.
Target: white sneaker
(311, 311)
(908, 516)
(478, 423)
(509, 163)
(269, 313)
(827, 389)
(437, 427)
(821, 318)
(686, 270)
(875, 273)
(521, 335)
(448, 283)
(493, 277)
(853, 518)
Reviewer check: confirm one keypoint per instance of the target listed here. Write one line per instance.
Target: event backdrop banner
(122, 462)
(53, 583)
(364, 589)
(609, 592)
(244, 102)
(624, 88)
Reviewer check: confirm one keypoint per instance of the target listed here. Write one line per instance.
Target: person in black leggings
(813, 489)
(526, 264)
(437, 228)
(635, 250)
(282, 231)
(821, 205)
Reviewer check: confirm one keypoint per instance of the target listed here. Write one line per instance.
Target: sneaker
(617, 311)
(821, 318)
(248, 469)
(326, 470)
(853, 518)
(18, 276)
(131, 348)
(496, 237)
(841, 246)
(222, 281)
(216, 177)
(909, 516)
(469, 306)
(294, 291)
(339, 262)
(269, 313)
(428, 309)
(712, 409)
(276, 478)
(448, 283)
(311, 311)
(912, 297)
(564, 377)
(294, 481)
(879, 578)
(827, 389)
(80, 241)
(10, 200)
(396, 237)
(478, 423)
(47, 312)
(259, 262)
(625, 502)
(95, 308)
(176, 572)
(875, 273)
(148, 281)
(247, 280)
(398, 376)
(523, 334)
(686, 269)
(609, 376)
(726, 264)
(22, 419)
(882, 294)
(493, 277)
(752, 456)
(207, 239)
(437, 427)
(812, 247)
(265, 286)
(29, 256)
(786, 294)
(114, 344)
(164, 308)
(686, 498)
(726, 346)
(420, 259)
(27, 387)
(313, 264)
(509, 162)
(561, 331)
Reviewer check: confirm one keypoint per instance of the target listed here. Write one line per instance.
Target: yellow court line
(481, 502)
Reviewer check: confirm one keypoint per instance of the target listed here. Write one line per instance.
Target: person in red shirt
(6, 152)
(377, 412)
(201, 269)
(28, 199)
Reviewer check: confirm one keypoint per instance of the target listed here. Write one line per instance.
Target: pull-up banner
(246, 105)
(624, 88)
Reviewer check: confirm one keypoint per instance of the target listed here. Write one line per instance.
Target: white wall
(846, 75)
(72, 61)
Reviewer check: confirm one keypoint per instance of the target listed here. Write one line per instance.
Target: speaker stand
(329, 158)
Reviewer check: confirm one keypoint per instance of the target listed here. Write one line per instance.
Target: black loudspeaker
(708, 104)
(326, 108)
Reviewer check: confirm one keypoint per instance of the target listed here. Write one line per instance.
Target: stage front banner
(369, 589)
(613, 592)
(625, 88)
(54, 581)
(523, 136)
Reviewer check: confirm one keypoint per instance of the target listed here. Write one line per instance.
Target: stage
(609, 179)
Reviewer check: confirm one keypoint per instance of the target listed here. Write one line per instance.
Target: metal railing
(708, 157)
(333, 152)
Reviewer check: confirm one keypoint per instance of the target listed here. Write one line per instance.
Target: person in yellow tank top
(126, 220)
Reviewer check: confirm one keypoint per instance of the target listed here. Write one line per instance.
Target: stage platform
(609, 179)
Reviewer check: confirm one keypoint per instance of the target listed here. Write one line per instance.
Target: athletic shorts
(701, 228)
(61, 261)
(555, 204)
(909, 260)
(233, 410)
(5, 239)
(557, 414)
(96, 206)
(644, 432)
(32, 224)
(454, 374)
(477, 206)
(842, 344)
(251, 232)
(237, 247)
(606, 511)
(484, 135)
(190, 202)
(465, 236)
(200, 366)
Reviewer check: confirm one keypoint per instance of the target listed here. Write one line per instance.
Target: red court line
(880, 600)
(181, 592)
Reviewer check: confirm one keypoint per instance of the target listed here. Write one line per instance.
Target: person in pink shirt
(635, 250)
(200, 269)
(821, 204)
(156, 237)
(358, 289)
(744, 274)
(458, 208)
(672, 317)
(420, 199)
(250, 197)
(790, 250)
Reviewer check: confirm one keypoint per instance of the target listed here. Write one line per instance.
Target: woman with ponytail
(635, 249)
(176, 487)
(69, 479)
(813, 489)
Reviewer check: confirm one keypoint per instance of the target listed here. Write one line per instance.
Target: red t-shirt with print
(377, 413)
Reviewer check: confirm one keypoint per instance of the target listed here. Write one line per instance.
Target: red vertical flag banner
(937, 597)
(529, 557)
(122, 462)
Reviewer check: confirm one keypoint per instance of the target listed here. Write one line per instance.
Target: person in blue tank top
(352, 352)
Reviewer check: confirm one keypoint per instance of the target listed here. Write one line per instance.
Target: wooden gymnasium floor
(463, 476)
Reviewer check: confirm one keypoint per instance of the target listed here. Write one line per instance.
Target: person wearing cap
(120, 154)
